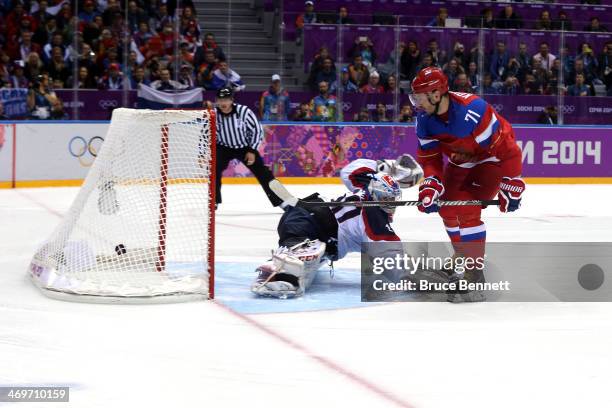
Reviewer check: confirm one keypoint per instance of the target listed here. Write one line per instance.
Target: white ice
(403, 354)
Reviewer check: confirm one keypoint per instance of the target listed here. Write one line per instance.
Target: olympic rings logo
(108, 103)
(498, 107)
(81, 148)
(569, 108)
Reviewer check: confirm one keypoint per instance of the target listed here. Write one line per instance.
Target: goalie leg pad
(291, 270)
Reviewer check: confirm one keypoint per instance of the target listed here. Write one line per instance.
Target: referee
(239, 133)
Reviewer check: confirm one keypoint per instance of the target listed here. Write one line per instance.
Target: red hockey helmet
(430, 79)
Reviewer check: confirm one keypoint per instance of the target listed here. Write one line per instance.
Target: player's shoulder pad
(378, 224)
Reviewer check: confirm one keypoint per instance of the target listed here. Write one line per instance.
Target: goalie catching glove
(510, 194)
(404, 169)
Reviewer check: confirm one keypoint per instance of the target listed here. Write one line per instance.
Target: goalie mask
(383, 187)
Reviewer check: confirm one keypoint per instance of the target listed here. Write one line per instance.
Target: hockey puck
(591, 277)
(120, 249)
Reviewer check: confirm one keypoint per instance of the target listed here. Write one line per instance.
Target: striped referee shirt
(239, 128)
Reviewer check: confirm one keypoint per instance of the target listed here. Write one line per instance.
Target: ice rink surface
(319, 351)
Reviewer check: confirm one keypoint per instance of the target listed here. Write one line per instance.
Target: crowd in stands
(522, 71)
(45, 45)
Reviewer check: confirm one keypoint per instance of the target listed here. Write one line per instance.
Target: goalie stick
(396, 203)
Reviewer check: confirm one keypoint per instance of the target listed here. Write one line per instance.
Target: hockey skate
(467, 296)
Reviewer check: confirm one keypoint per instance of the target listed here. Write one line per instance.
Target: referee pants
(258, 168)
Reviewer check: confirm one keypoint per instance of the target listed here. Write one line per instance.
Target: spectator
(346, 84)
(209, 44)
(487, 85)
(462, 84)
(164, 83)
(380, 114)
(580, 88)
(113, 80)
(545, 56)
(459, 54)
(510, 86)
(206, 70)
(531, 86)
(40, 98)
(317, 66)
(327, 73)
(343, 17)
(364, 47)
(499, 62)
(274, 104)
(84, 80)
(605, 67)
(452, 69)
(588, 58)
(595, 26)
(358, 72)
(302, 113)
(590, 1)
(362, 116)
(224, 76)
(25, 47)
(57, 40)
(552, 85)
(57, 68)
(373, 86)
(42, 15)
(508, 19)
(391, 65)
(539, 73)
(579, 69)
(439, 56)
(143, 35)
(562, 23)
(307, 17)
(392, 85)
(427, 61)
(406, 114)
(323, 106)
(410, 61)
(88, 13)
(524, 60)
(45, 31)
(185, 76)
(192, 36)
(548, 116)
(160, 17)
(473, 76)
(138, 78)
(136, 15)
(18, 79)
(487, 20)
(187, 18)
(440, 19)
(544, 22)
(33, 67)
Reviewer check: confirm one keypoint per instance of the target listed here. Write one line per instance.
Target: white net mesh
(140, 228)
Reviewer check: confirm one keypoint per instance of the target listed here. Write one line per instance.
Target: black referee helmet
(225, 93)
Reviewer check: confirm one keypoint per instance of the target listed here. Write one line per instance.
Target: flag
(149, 98)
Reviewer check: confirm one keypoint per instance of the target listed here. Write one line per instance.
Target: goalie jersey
(357, 225)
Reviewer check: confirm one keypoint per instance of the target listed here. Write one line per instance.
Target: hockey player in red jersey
(483, 158)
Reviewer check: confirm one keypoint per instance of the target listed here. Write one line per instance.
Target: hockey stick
(396, 203)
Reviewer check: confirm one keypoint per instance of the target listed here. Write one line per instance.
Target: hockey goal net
(142, 225)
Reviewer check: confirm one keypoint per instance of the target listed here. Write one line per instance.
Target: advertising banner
(57, 151)
(14, 102)
(65, 151)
